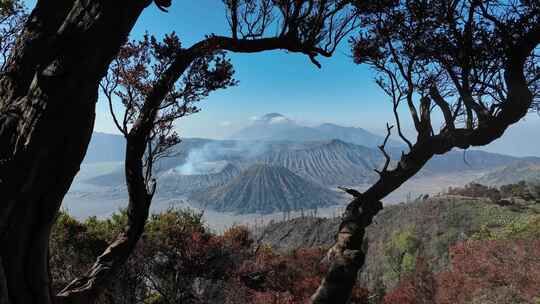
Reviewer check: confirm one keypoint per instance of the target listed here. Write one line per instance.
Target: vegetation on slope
(469, 246)
(495, 229)
(178, 260)
(518, 171)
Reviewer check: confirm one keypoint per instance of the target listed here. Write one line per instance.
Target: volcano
(264, 188)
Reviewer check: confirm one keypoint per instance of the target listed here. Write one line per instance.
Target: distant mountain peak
(273, 118)
(278, 127)
(272, 115)
(337, 142)
(340, 144)
(330, 125)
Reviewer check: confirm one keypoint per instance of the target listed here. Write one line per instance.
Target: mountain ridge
(276, 127)
(333, 163)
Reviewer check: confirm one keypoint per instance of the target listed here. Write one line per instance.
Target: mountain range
(105, 147)
(330, 163)
(277, 127)
(269, 175)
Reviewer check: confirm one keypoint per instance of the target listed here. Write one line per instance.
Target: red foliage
(479, 267)
(497, 271)
(417, 288)
(288, 278)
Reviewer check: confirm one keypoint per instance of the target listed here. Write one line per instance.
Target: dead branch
(353, 192)
(383, 150)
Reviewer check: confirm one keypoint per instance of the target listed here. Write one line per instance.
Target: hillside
(331, 163)
(105, 147)
(266, 189)
(522, 170)
(468, 160)
(401, 233)
(444, 250)
(336, 162)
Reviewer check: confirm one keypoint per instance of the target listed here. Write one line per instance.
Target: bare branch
(108, 90)
(310, 27)
(383, 150)
(443, 105)
(353, 192)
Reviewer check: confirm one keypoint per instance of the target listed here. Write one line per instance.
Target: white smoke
(214, 156)
(280, 119)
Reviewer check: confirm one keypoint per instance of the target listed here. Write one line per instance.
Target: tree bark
(47, 107)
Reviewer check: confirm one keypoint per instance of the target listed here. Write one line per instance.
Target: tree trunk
(86, 289)
(47, 107)
(347, 256)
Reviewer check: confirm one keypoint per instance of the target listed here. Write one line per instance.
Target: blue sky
(340, 92)
(269, 82)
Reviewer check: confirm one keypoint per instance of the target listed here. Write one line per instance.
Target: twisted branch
(382, 148)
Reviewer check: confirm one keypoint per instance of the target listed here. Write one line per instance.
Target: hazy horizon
(340, 92)
(516, 141)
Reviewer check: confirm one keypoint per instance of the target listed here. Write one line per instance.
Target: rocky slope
(265, 189)
(302, 232)
(331, 163)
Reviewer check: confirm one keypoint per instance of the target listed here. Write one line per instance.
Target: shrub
(400, 252)
(417, 287)
(477, 190)
(238, 236)
(481, 268)
(178, 260)
(284, 278)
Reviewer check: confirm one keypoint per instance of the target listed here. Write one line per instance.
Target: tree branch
(383, 150)
(443, 105)
(353, 192)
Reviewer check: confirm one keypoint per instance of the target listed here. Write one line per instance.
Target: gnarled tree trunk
(347, 256)
(47, 107)
(86, 289)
